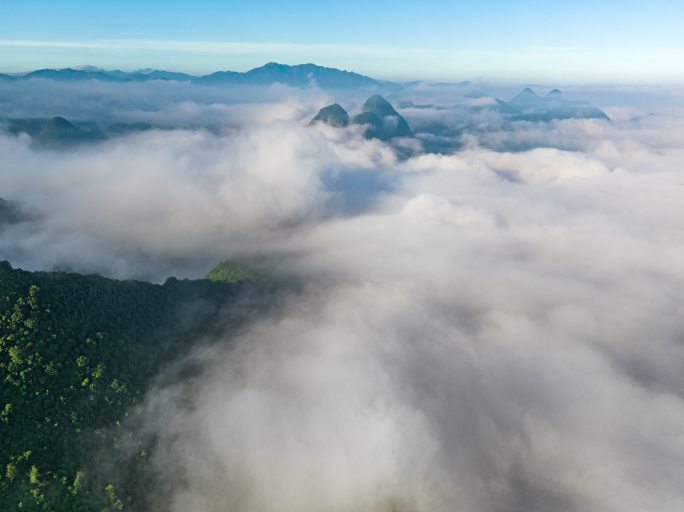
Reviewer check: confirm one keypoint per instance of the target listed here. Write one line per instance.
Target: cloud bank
(494, 328)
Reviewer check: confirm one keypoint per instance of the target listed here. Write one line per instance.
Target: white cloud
(495, 331)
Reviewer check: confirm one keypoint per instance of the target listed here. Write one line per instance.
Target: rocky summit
(383, 121)
(332, 115)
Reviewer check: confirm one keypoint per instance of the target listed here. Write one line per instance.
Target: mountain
(380, 106)
(6, 78)
(59, 128)
(304, 75)
(77, 355)
(156, 74)
(55, 133)
(237, 271)
(463, 85)
(333, 115)
(529, 106)
(383, 121)
(11, 212)
(148, 75)
(220, 78)
(420, 106)
(58, 132)
(525, 98)
(300, 75)
(73, 75)
(117, 75)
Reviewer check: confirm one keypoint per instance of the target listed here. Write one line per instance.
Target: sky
(561, 41)
(492, 328)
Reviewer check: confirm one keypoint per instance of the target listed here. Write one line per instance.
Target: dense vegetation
(235, 271)
(77, 353)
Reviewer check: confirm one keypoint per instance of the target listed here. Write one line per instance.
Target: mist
(489, 328)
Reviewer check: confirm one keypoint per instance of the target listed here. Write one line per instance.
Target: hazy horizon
(494, 40)
(202, 57)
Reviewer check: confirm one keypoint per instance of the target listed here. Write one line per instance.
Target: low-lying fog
(495, 327)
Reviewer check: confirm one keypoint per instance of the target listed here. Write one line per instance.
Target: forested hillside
(77, 353)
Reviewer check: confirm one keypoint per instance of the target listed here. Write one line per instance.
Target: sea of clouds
(495, 328)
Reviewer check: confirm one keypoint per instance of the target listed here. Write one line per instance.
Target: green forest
(77, 354)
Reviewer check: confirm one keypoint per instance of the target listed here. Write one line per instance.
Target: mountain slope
(72, 75)
(75, 75)
(529, 106)
(59, 133)
(332, 115)
(382, 120)
(300, 75)
(525, 98)
(77, 354)
(157, 74)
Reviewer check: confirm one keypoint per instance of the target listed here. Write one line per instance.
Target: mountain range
(300, 75)
(525, 106)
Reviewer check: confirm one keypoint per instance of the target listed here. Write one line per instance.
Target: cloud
(163, 104)
(436, 365)
(176, 201)
(495, 329)
(429, 206)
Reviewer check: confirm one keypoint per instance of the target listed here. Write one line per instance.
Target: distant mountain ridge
(299, 75)
(527, 105)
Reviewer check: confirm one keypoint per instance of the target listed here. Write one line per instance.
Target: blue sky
(562, 41)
